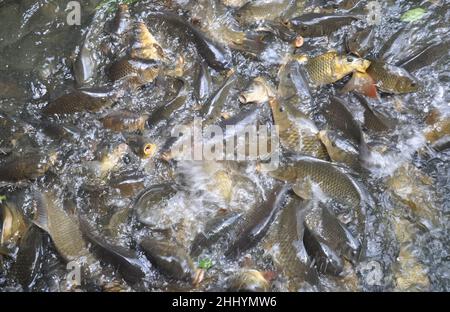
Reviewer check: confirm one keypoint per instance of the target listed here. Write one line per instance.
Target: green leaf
(205, 264)
(2, 198)
(413, 15)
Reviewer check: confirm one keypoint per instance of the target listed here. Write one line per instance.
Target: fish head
(406, 84)
(350, 63)
(279, 113)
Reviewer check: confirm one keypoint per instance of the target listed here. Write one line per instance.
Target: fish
(297, 132)
(62, 228)
(108, 159)
(215, 55)
(141, 146)
(441, 144)
(304, 172)
(319, 24)
(253, 225)
(171, 259)
(145, 46)
(339, 117)
(14, 225)
(213, 231)
(125, 260)
(150, 203)
(322, 223)
(121, 23)
(361, 83)
(374, 120)
(259, 91)
(212, 108)
(29, 257)
(392, 79)
(293, 86)
(88, 99)
(290, 255)
(330, 67)
(203, 83)
(325, 258)
(248, 280)
(165, 111)
(425, 57)
(28, 166)
(134, 72)
(340, 149)
(416, 190)
(124, 120)
(259, 10)
(361, 43)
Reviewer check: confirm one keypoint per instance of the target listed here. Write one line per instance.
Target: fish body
(135, 72)
(291, 256)
(297, 132)
(426, 56)
(321, 222)
(361, 43)
(303, 172)
(89, 99)
(214, 54)
(253, 225)
(123, 259)
(258, 10)
(340, 149)
(248, 281)
(29, 257)
(61, 227)
(150, 202)
(145, 46)
(25, 167)
(211, 110)
(171, 259)
(203, 83)
(124, 120)
(330, 67)
(121, 23)
(374, 120)
(14, 226)
(318, 24)
(259, 91)
(392, 79)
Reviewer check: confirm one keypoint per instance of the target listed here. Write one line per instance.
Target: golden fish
(331, 67)
(297, 133)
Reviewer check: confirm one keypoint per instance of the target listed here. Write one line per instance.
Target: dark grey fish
(292, 257)
(214, 54)
(426, 56)
(318, 24)
(211, 110)
(89, 99)
(29, 257)
(203, 83)
(169, 258)
(166, 110)
(125, 260)
(252, 226)
(373, 119)
(361, 43)
(213, 231)
(329, 236)
(340, 118)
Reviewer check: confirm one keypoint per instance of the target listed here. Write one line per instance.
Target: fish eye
(351, 58)
(304, 27)
(281, 109)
